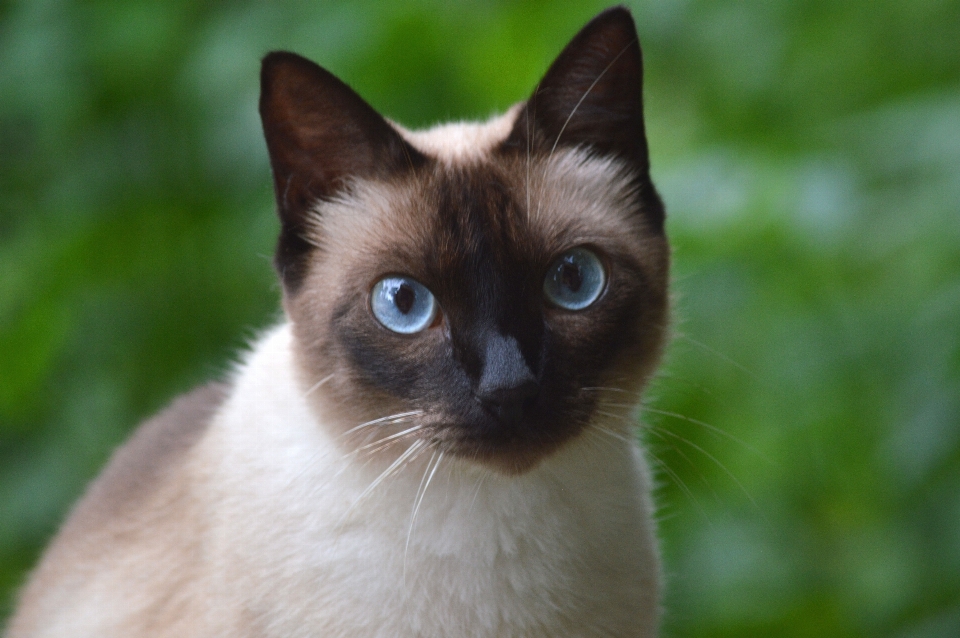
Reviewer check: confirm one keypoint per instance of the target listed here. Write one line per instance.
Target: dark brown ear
(592, 96)
(319, 133)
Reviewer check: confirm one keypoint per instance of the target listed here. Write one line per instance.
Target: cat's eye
(403, 304)
(575, 279)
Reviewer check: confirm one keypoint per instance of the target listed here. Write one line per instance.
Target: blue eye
(403, 305)
(575, 280)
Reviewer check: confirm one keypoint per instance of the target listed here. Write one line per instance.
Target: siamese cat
(435, 440)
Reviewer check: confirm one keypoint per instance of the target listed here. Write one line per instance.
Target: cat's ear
(592, 93)
(592, 96)
(320, 134)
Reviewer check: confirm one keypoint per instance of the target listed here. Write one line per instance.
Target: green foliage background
(809, 155)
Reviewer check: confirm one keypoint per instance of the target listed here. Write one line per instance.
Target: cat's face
(482, 281)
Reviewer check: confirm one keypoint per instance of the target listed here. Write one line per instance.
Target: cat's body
(476, 476)
(272, 548)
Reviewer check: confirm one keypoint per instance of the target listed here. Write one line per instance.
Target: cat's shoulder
(151, 456)
(140, 500)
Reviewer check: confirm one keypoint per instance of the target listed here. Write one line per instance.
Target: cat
(435, 441)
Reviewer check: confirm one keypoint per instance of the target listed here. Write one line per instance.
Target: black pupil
(571, 277)
(404, 297)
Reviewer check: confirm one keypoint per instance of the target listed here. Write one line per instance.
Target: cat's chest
(409, 562)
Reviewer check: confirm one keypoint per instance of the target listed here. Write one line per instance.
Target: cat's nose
(509, 404)
(507, 386)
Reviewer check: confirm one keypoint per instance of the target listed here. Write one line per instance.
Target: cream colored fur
(462, 141)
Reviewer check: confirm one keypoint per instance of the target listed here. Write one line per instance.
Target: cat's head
(481, 281)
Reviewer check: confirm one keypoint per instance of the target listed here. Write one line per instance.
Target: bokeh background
(806, 424)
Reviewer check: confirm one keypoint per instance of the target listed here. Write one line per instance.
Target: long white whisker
(602, 440)
(397, 435)
(667, 374)
(416, 445)
(676, 415)
(715, 460)
(657, 432)
(711, 428)
(380, 445)
(618, 417)
(610, 432)
(476, 491)
(383, 419)
(680, 483)
(611, 404)
(421, 492)
(717, 353)
(317, 385)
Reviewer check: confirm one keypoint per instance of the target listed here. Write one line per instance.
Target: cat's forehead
(493, 204)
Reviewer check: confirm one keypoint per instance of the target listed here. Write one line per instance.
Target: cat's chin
(508, 455)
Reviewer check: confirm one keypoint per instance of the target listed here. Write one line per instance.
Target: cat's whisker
(476, 490)
(384, 419)
(317, 385)
(627, 406)
(711, 428)
(593, 435)
(595, 427)
(371, 448)
(634, 397)
(418, 499)
(715, 460)
(681, 485)
(666, 374)
(676, 415)
(719, 355)
(599, 428)
(386, 441)
(657, 433)
(618, 417)
(397, 463)
(344, 466)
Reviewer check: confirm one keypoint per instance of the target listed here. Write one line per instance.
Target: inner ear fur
(320, 134)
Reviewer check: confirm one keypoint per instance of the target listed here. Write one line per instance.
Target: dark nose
(506, 384)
